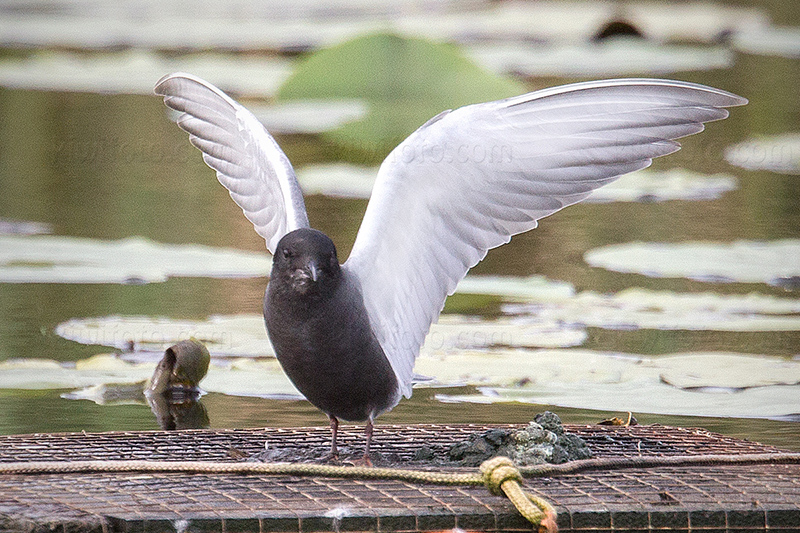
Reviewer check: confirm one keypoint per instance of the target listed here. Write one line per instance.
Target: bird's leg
(365, 460)
(368, 432)
(334, 430)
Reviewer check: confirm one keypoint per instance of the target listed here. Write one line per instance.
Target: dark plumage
(318, 325)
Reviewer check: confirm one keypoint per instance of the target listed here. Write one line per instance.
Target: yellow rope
(499, 475)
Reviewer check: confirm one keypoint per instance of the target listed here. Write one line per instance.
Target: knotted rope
(501, 477)
(499, 474)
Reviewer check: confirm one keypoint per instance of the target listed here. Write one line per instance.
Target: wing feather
(469, 179)
(248, 161)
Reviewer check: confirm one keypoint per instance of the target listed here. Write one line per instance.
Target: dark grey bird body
(320, 330)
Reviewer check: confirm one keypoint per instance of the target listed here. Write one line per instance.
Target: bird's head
(305, 261)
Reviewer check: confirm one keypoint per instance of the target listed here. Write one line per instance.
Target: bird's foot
(363, 461)
(332, 458)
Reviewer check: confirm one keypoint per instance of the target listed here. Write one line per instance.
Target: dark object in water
(173, 394)
(617, 421)
(617, 28)
(184, 365)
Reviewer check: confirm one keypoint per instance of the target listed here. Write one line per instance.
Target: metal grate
(395, 441)
(707, 498)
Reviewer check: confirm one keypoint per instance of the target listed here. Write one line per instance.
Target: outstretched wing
(248, 161)
(469, 179)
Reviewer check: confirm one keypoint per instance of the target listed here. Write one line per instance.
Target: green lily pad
(111, 393)
(59, 259)
(615, 57)
(658, 186)
(694, 384)
(575, 21)
(135, 71)
(741, 261)
(776, 153)
(765, 387)
(405, 81)
(636, 308)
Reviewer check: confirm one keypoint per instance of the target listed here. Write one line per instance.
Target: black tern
(465, 182)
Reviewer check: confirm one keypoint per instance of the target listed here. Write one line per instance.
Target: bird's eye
(286, 253)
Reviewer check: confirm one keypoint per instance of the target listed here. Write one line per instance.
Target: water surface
(113, 166)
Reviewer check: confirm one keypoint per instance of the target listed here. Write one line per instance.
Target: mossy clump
(542, 441)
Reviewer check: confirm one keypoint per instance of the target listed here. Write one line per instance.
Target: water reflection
(173, 393)
(177, 408)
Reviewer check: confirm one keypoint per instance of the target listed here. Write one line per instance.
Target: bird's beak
(313, 271)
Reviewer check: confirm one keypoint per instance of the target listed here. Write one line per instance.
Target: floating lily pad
(304, 25)
(635, 308)
(111, 393)
(22, 227)
(777, 153)
(338, 180)
(612, 382)
(171, 26)
(106, 377)
(703, 384)
(456, 332)
(405, 81)
(352, 181)
(553, 316)
(727, 371)
(309, 116)
(537, 288)
(772, 41)
(573, 21)
(37, 374)
(657, 186)
(245, 335)
(135, 71)
(59, 259)
(263, 378)
(615, 57)
(224, 336)
(741, 261)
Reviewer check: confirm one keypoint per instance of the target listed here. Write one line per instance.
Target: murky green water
(113, 166)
